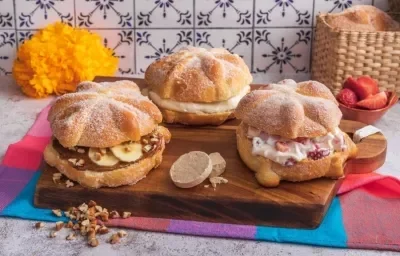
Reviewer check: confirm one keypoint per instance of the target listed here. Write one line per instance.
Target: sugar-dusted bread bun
(270, 173)
(103, 115)
(198, 75)
(362, 18)
(290, 109)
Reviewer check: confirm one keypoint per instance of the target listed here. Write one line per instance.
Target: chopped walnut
(103, 230)
(93, 242)
(114, 239)
(85, 223)
(76, 227)
(147, 148)
(114, 215)
(83, 207)
(59, 225)
(122, 233)
(57, 177)
(53, 234)
(145, 141)
(39, 225)
(70, 224)
(80, 163)
(98, 208)
(57, 212)
(81, 150)
(126, 215)
(73, 161)
(154, 139)
(92, 203)
(69, 184)
(104, 216)
(71, 236)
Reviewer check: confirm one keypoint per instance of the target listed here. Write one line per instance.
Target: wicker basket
(339, 54)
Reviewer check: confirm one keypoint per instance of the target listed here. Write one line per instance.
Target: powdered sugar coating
(198, 75)
(290, 109)
(103, 115)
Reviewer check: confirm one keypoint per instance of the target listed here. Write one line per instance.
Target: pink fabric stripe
(26, 154)
(41, 127)
(370, 214)
(212, 229)
(355, 181)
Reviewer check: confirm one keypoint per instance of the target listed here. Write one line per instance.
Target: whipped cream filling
(288, 152)
(192, 107)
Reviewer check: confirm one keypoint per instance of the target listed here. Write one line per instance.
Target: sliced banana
(127, 152)
(101, 158)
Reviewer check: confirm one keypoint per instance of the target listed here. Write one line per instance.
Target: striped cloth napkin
(364, 214)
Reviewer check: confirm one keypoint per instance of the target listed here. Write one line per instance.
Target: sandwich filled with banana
(105, 135)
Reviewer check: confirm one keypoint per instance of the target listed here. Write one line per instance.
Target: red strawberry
(281, 146)
(318, 154)
(364, 86)
(376, 101)
(370, 84)
(347, 97)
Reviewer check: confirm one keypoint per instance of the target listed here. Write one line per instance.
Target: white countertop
(18, 237)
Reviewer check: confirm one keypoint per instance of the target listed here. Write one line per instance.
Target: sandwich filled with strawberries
(290, 131)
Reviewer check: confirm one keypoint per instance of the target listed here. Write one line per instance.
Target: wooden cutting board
(240, 201)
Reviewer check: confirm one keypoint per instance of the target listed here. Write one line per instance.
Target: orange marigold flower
(57, 58)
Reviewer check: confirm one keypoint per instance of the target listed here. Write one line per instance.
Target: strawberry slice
(281, 146)
(347, 97)
(370, 85)
(376, 101)
(364, 86)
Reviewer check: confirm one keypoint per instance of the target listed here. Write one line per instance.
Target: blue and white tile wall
(274, 37)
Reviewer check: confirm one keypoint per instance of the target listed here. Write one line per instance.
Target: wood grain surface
(241, 201)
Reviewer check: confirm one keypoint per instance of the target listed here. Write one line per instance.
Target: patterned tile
(164, 13)
(104, 13)
(283, 13)
(122, 43)
(23, 35)
(333, 6)
(224, 13)
(8, 46)
(237, 41)
(39, 13)
(152, 45)
(282, 51)
(6, 14)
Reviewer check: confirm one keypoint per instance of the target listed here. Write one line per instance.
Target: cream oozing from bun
(192, 107)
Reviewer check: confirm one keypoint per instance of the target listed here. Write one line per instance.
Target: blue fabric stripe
(331, 232)
(22, 206)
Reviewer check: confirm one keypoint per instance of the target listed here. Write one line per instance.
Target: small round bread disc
(191, 169)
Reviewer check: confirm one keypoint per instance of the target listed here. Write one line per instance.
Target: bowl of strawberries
(360, 100)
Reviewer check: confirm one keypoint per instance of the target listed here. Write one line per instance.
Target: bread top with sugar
(362, 18)
(291, 110)
(198, 75)
(103, 115)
